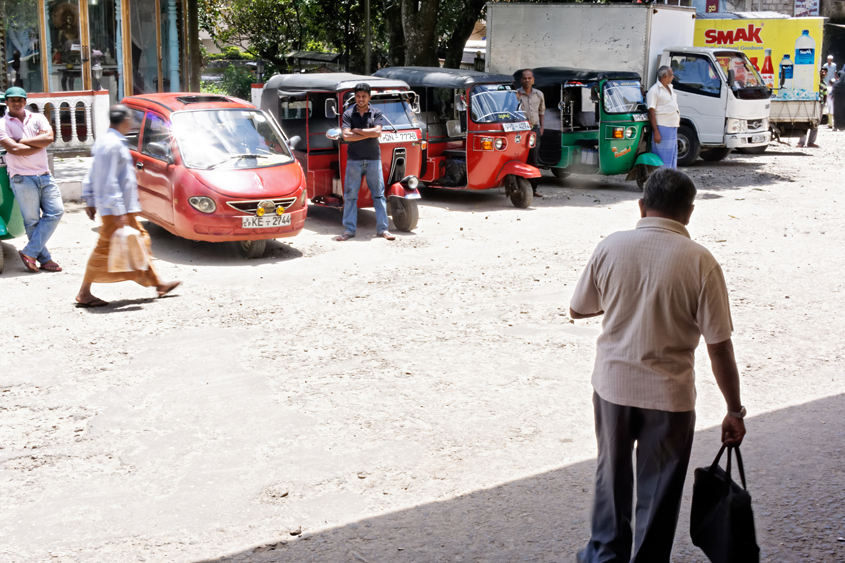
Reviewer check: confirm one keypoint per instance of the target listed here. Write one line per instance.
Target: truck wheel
(715, 155)
(753, 150)
(560, 173)
(522, 194)
(405, 212)
(251, 249)
(688, 146)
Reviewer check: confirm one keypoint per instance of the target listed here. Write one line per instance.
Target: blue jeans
(41, 207)
(355, 170)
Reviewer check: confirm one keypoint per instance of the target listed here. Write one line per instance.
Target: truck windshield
(495, 103)
(623, 96)
(228, 139)
(748, 84)
(397, 113)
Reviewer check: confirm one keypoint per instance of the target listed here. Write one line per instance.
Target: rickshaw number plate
(268, 221)
(758, 139)
(640, 117)
(521, 126)
(398, 137)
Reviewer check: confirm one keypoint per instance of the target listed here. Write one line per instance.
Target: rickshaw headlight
(500, 144)
(630, 132)
(203, 204)
(532, 140)
(486, 144)
(618, 133)
(413, 182)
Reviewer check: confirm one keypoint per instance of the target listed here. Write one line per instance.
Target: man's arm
(16, 148)
(542, 113)
(573, 314)
(727, 377)
(350, 136)
(41, 141)
(652, 118)
(372, 132)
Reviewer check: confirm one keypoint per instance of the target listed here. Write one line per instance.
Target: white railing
(74, 132)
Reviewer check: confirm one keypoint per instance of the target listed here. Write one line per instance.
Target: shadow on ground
(793, 462)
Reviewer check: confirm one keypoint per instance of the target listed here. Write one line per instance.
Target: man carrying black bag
(659, 292)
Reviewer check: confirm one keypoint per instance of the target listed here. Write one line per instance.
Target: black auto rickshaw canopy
(434, 77)
(328, 82)
(551, 75)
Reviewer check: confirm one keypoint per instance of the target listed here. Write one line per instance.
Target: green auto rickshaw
(596, 122)
(11, 221)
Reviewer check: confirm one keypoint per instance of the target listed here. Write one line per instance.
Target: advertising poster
(786, 52)
(806, 8)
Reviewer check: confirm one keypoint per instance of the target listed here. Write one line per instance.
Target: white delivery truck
(786, 51)
(724, 102)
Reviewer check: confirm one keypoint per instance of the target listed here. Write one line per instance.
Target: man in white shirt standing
(659, 292)
(665, 117)
(830, 67)
(534, 106)
(25, 136)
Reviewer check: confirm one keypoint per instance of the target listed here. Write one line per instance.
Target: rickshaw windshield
(397, 113)
(624, 96)
(229, 138)
(495, 103)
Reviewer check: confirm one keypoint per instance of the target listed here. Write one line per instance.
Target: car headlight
(304, 195)
(203, 204)
(737, 126)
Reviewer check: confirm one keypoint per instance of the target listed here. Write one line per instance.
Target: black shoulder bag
(721, 522)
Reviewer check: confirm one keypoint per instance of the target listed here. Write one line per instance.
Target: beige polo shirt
(533, 105)
(665, 105)
(660, 292)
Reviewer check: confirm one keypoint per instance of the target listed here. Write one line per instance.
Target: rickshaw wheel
(251, 249)
(560, 173)
(521, 194)
(405, 212)
(642, 175)
(2, 260)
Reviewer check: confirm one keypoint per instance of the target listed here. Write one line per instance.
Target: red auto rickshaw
(310, 106)
(477, 134)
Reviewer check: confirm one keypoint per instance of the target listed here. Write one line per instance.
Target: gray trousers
(532, 156)
(663, 446)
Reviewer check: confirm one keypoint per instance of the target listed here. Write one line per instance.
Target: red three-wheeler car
(478, 135)
(310, 106)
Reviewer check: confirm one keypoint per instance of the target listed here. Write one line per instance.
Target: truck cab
(723, 100)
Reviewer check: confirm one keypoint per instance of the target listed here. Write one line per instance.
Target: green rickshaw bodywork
(11, 221)
(587, 141)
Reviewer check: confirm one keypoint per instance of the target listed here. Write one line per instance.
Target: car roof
(550, 75)
(436, 77)
(329, 82)
(177, 101)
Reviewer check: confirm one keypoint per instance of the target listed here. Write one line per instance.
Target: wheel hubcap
(683, 146)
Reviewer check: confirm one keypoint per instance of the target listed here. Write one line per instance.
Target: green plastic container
(11, 221)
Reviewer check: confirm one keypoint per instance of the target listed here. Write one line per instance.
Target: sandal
(344, 236)
(96, 302)
(28, 262)
(51, 266)
(168, 288)
(386, 235)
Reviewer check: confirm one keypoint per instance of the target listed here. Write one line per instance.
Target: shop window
(21, 49)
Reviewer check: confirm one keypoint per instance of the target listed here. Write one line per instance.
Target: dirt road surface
(426, 400)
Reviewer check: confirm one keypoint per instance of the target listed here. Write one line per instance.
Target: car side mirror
(459, 103)
(331, 107)
(731, 78)
(453, 128)
(594, 95)
(334, 134)
(159, 150)
(414, 100)
(293, 141)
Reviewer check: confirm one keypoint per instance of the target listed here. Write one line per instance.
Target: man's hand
(733, 430)
(120, 220)
(656, 136)
(91, 212)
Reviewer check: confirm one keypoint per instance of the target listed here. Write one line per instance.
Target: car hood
(253, 183)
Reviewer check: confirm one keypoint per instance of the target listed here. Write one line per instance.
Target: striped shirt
(660, 293)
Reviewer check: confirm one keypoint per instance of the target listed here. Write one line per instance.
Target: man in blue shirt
(111, 189)
(361, 129)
